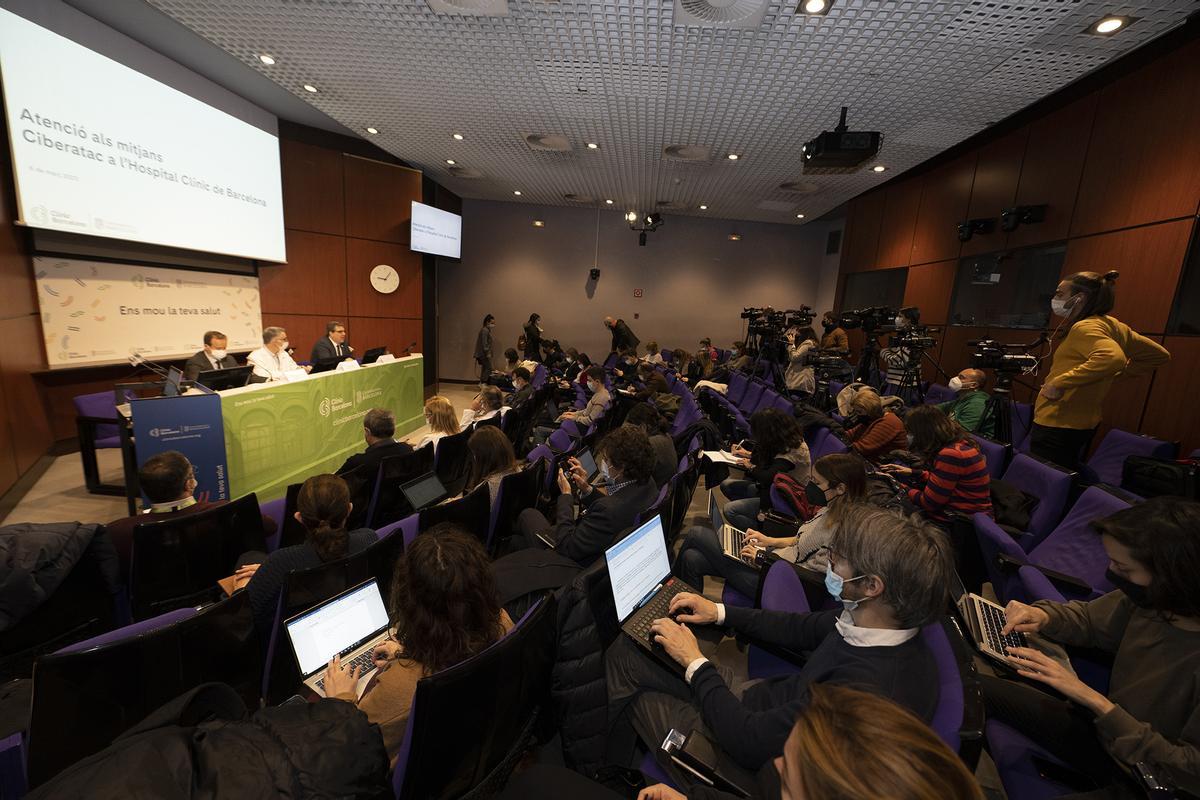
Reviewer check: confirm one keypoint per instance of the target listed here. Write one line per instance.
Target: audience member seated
(168, 480)
(597, 404)
(626, 461)
(1151, 625)
(273, 360)
(213, 356)
(838, 482)
(798, 376)
(854, 745)
(650, 422)
(704, 366)
(706, 346)
(778, 447)
(890, 574)
(969, 406)
(503, 378)
(443, 609)
(441, 419)
(741, 359)
(685, 366)
(627, 370)
(322, 508)
(379, 431)
(835, 337)
(957, 477)
(554, 355)
(871, 431)
(492, 458)
(653, 355)
(333, 345)
(485, 405)
(522, 390)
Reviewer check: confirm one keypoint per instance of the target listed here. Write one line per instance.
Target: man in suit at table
(213, 356)
(379, 431)
(333, 345)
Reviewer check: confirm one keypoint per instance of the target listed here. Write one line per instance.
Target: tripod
(999, 409)
(910, 387)
(867, 370)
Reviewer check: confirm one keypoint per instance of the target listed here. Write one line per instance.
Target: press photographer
(767, 333)
(872, 320)
(1006, 360)
(902, 357)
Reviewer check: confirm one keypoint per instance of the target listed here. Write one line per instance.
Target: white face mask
(901, 322)
(1062, 308)
(285, 345)
(219, 354)
(956, 383)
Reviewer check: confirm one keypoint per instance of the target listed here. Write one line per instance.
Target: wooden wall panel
(362, 256)
(997, 173)
(312, 282)
(901, 201)
(929, 288)
(58, 388)
(313, 193)
(378, 199)
(860, 242)
(1171, 409)
(944, 204)
(1050, 173)
(26, 414)
(955, 352)
(8, 459)
(395, 334)
(1149, 259)
(1143, 162)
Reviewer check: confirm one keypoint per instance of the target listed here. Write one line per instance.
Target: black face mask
(828, 325)
(815, 496)
(1136, 593)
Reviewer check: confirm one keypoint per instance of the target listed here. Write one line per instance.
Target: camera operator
(1096, 350)
(798, 376)
(835, 338)
(969, 407)
(900, 362)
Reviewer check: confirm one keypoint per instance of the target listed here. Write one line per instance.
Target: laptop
(349, 624)
(232, 378)
(326, 364)
(372, 355)
(732, 540)
(642, 585)
(424, 491)
(984, 620)
(171, 386)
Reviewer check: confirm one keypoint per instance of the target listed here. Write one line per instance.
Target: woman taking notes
(1097, 349)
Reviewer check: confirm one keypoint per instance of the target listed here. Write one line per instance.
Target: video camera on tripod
(769, 322)
(1005, 359)
(915, 338)
(869, 319)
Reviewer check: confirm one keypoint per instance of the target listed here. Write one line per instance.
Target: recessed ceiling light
(451, 161)
(732, 156)
(735, 237)
(593, 146)
(703, 207)
(517, 192)
(631, 216)
(458, 137)
(799, 216)
(608, 202)
(308, 87)
(878, 168)
(372, 131)
(266, 59)
(815, 7)
(537, 223)
(1109, 25)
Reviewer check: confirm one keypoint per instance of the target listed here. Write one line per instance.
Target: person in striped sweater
(957, 476)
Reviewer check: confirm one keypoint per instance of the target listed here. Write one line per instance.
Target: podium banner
(281, 433)
(192, 425)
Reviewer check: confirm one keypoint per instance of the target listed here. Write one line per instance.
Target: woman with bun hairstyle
(1096, 350)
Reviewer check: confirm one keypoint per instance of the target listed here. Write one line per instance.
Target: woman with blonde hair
(852, 745)
(441, 418)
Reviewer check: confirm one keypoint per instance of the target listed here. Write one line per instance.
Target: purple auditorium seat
(749, 402)
(828, 446)
(1072, 548)
(538, 379)
(274, 509)
(96, 423)
(736, 389)
(939, 393)
(952, 720)
(407, 528)
(131, 631)
(1022, 425)
(995, 452)
(814, 437)
(560, 441)
(782, 590)
(1108, 462)
(1050, 484)
(1014, 754)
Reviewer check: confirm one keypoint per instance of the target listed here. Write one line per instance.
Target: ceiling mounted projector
(841, 148)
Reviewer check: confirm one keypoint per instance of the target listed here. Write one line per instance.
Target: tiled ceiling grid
(630, 76)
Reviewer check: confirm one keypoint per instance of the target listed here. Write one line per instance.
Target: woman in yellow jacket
(1097, 349)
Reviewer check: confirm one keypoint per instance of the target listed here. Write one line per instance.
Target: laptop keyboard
(639, 623)
(993, 622)
(363, 661)
(734, 540)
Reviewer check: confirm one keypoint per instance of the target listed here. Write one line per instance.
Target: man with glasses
(334, 345)
(890, 575)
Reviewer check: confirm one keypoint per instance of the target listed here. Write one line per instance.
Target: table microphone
(138, 360)
(408, 350)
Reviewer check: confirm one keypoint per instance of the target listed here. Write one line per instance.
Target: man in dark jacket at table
(213, 356)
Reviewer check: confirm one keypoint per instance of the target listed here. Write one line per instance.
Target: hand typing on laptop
(676, 639)
(340, 680)
(1022, 618)
(689, 607)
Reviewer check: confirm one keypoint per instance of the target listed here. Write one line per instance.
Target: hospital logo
(323, 408)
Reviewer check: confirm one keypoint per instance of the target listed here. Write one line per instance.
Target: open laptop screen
(423, 491)
(588, 463)
(174, 377)
(714, 512)
(353, 616)
(636, 565)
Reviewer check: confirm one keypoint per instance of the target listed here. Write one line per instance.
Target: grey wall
(694, 280)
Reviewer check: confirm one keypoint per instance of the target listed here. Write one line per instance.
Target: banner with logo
(281, 433)
(192, 425)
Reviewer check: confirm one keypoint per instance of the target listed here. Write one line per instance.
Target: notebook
(349, 624)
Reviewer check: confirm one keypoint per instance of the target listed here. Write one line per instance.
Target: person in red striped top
(957, 476)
